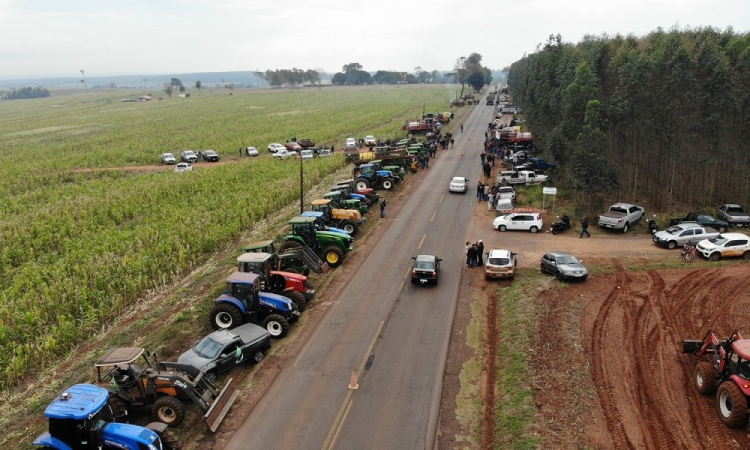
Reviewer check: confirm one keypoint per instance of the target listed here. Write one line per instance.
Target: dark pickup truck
(702, 219)
(305, 143)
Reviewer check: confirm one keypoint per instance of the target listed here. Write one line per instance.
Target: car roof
(208, 151)
(459, 178)
(425, 258)
(500, 253)
(733, 236)
(732, 205)
(689, 225)
(119, 355)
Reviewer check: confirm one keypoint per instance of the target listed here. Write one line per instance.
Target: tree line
(663, 117)
(26, 93)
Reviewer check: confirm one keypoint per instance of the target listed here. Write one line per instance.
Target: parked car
(564, 266)
(293, 146)
(183, 167)
(426, 269)
(275, 147)
(325, 152)
(506, 192)
(224, 349)
(306, 154)
(519, 221)
(526, 177)
(283, 154)
(734, 215)
(168, 158)
(251, 151)
(370, 140)
(703, 219)
(725, 245)
(351, 143)
(683, 233)
(458, 184)
(189, 156)
(504, 206)
(210, 156)
(315, 150)
(305, 143)
(621, 216)
(500, 264)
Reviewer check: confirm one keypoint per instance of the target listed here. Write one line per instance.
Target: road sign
(549, 191)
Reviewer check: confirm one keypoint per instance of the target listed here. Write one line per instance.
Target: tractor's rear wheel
(119, 408)
(732, 405)
(169, 410)
(362, 183)
(225, 316)
(297, 298)
(705, 378)
(333, 256)
(169, 441)
(290, 244)
(276, 325)
(350, 227)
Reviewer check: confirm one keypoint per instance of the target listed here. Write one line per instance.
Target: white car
(189, 156)
(500, 264)
(306, 154)
(370, 140)
(275, 147)
(351, 143)
(284, 154)
(325, 153)
(459, 184)
(506, 192)
(183, 167)
(519, 221)
(251, 151)
(168, 158)
(724, 245)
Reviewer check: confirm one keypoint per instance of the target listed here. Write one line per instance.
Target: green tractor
(288, 261)
(330, 247)
(339, 200)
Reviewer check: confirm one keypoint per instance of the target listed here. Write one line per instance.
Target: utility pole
(84, 83)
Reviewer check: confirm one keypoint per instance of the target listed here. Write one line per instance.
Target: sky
(59, 38)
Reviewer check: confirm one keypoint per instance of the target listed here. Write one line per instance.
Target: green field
(78, 247)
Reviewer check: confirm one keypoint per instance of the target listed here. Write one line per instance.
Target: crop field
(76, 248)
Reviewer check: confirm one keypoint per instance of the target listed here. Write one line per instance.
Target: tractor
(367, 175)
(81, 418)
(289, 261)
(160, 387)
(723, 364)
(320, 222)
(343, 201)
(347, 219)
(243, 300)
(367, 192)
(293, 286)
(330, 247)
(350, 194)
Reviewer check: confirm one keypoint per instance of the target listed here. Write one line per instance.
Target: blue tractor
(81, 419)
(243, 300)
(368, 175)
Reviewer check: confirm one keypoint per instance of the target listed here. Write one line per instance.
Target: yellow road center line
(433, 216)
(400, 288)
(341, 425)
(421, 242)
(408, 272)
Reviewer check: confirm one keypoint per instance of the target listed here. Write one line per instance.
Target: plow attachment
(220, 406)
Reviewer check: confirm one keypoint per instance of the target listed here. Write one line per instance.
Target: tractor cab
(369, 192)
(321, 224)
(244, 287)
(289, 261)
(304, 227)
(351, 194)
(348, 203)
(267, 246)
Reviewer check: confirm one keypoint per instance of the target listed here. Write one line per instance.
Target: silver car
(683, 233)
(564, 266)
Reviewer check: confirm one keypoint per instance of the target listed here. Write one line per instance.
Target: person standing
(485, 192)
(584, 227)
(240, 152)
(382, 208)
(462, 128)
(480, 253)
(490, 201)
(479, 190)
(472, 255)
(468, 246)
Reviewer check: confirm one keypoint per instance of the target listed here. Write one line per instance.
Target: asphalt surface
(392, 334)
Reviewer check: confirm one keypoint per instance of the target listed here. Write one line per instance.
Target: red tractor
(724, 364)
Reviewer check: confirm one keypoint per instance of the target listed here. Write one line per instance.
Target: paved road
(393, 334)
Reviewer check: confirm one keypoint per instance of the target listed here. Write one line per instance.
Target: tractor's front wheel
(276, 325)
(333, 256)
(350, 227)
(297, 298)
(705, 378)
(732, 405)
(225, 316)
(169, 441)
(169, 410)
(387, 184)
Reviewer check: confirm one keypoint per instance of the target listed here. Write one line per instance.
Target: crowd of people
(474, 254)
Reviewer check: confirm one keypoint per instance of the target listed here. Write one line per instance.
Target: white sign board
(549, 191)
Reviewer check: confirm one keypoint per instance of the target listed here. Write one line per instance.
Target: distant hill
(207, 79)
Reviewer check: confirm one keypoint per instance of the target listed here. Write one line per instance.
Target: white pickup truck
(621, 216)
(526, 177)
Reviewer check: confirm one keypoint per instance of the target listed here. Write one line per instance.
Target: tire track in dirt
(490, 369)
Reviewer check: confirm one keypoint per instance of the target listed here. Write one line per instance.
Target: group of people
(474, 253)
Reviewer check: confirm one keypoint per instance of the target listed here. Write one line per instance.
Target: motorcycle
(652, 224)
(563, 225)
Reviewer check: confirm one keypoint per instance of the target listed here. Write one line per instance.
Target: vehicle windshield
(208, 348)
(458, 180)
(718, 240)
(567, 259)
(499, 261)
(422, 264)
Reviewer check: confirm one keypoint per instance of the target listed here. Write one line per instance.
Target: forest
(663, 117)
